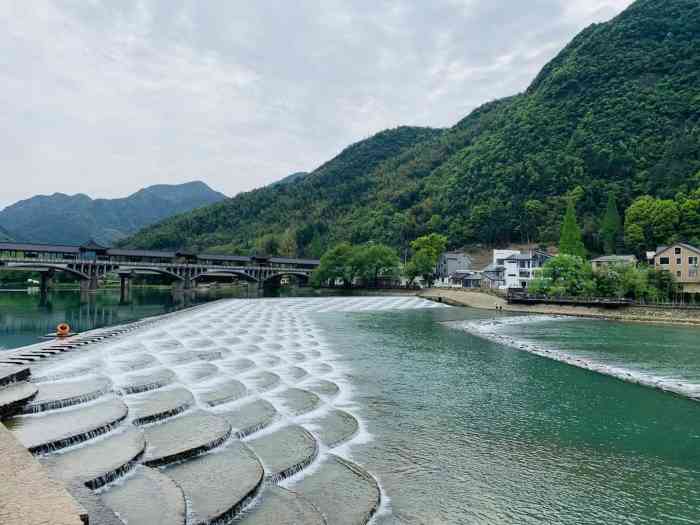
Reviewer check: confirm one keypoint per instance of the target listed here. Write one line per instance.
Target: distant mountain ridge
(71, 219)
(5, 235)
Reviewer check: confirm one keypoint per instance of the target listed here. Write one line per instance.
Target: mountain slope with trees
(5, 235)
(72, 219)
(615, 115)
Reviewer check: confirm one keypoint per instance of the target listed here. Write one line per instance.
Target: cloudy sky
(107, 96)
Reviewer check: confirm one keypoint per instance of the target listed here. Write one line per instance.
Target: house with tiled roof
(681, 260)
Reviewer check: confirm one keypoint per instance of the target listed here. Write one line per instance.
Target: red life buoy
(62, 330)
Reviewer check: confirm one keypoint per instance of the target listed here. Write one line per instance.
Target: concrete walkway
(27, 495)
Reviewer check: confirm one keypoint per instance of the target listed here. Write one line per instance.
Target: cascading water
(505, 330)
(251, 384)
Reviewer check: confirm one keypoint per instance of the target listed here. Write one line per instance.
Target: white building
(519, 267)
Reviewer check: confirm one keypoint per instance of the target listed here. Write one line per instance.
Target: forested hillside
(617, 112)
(4, 235)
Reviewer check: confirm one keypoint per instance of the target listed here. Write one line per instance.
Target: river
(25, 318)
(458, 428)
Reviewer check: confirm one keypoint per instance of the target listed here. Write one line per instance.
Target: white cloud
(107, 97)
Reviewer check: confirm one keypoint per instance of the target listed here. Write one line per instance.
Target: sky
(105, 97)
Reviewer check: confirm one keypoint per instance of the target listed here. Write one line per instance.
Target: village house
(602, 263)
(466, 279)
(493, 277)
(681, 260)
(520, 267)
(451, 262)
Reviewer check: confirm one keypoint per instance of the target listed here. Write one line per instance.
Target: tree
(288, 244)
(533, 213)
(421, 264)
(335, 264)
(664, 221)
(690, 221)
(564, 275)
(268, 244)
(570, 241)
(379, 260)
(634, 238)
(651, 222)
(346, 262)
(611, 227)
(433, 245)
(426, 251)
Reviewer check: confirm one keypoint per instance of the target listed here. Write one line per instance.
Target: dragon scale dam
(234, 411)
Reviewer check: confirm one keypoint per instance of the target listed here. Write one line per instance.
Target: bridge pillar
(94, 282)
(46, 281)
(124, 288)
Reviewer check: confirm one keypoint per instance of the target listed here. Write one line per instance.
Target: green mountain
(616, 111)
(74, 219)
(5, 235)
(291, 178)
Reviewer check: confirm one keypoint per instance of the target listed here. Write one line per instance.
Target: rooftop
(615, 258)
(684, 245)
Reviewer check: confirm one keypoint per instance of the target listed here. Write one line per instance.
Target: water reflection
(27, 315)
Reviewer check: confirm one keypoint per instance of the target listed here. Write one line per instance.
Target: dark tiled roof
(92, 246)
(30, 247)
(526, 256)
(291, 260)
(217, 257)
(117, 252)
(615, 258)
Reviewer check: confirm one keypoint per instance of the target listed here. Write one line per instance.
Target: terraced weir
(236, 410)
(335, 411)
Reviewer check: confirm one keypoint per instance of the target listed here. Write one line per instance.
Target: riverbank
(640, 314)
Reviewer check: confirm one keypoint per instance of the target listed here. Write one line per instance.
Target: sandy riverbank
(644, 314)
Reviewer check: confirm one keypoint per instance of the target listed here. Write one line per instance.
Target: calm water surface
(468, 431)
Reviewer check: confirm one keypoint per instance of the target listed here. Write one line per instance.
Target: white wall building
(519, 267)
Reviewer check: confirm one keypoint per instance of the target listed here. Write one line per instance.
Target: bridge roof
(217, 257)
(35, 247)
(118, 252)
(291, 260)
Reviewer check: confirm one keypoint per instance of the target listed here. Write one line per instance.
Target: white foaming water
(238, 339)
(491, 329)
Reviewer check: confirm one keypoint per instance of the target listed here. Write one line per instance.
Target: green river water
(469, 431)
(460, 429)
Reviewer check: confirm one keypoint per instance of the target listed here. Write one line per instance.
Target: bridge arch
(225, 272)
(132, 271)
(38, 267)
(302, 276)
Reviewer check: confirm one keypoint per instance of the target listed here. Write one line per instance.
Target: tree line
(570, 274)
(368, 264)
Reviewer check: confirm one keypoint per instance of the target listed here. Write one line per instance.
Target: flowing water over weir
(200, 417)
(506, 331)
